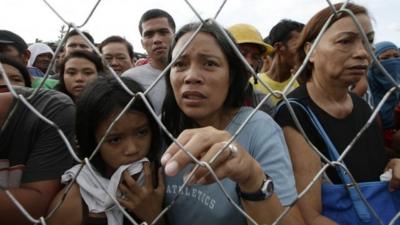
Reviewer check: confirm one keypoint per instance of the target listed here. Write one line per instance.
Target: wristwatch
(265, 191)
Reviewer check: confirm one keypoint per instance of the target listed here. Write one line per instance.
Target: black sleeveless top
(366, 160)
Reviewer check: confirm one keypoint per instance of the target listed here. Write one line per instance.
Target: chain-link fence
(87, 161)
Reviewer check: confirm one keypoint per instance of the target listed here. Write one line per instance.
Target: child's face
(128, 141)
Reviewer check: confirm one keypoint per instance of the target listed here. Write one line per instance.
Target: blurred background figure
(251, 44)
(252, 47)
(16, 72)
(41, 55)
(75, 42)
(283, 37)
(267, 59)
(118, 52)
(14, 47)
(388, 55)
(157, 29)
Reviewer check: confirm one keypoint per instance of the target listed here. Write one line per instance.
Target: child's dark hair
(100, 99)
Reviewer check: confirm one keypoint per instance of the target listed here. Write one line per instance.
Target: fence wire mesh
(199, 163)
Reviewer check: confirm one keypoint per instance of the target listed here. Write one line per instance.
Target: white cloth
(386, 176)
(37, 49)
(97, 200)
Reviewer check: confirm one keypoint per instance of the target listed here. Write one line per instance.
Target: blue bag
(342, 202)
(338, 206)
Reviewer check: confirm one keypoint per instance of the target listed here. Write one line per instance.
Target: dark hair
(118, 39)
(75, 32)
(267, 40)
(97, 102)
(312, 29)
(92, 57)
(156, 13)
(19, 66)
(282, 31)
(172, 116)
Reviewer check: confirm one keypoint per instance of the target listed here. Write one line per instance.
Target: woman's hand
(203, 144)
(144, 201)
(394, 183)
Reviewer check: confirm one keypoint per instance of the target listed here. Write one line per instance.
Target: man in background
(157, 29)
(118, 52)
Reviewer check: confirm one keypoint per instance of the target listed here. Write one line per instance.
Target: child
(122, 158)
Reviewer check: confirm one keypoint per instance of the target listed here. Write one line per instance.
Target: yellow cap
(245, 33)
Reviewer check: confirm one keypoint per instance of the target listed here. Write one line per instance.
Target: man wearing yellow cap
(252, 46)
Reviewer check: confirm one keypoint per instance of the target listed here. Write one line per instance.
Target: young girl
(123, 157)
(76, 70)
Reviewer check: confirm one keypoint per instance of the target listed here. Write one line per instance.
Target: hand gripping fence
(87, 161)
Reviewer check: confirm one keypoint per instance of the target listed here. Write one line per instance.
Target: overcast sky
(33, 19)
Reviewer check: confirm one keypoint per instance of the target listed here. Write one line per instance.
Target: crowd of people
(202, 99)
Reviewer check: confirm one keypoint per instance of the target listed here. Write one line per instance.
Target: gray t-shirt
(146, 75)
(30, 145)
(206, 204)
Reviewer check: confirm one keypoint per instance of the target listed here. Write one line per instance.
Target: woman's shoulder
(299, 95)
(254, 119)
(300, 92)
(245, 112)
(299, 101)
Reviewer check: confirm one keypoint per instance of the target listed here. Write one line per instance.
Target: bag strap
(360, 207)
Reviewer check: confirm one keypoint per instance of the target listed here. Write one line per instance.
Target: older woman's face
(200, 77)
(340, 56)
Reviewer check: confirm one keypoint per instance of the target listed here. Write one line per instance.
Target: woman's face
(340, 58)
(128, 141)
(13, 75)
(77, 73)
(200, 78)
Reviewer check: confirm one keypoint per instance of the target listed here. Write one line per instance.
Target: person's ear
(25, 56)
(307, 48)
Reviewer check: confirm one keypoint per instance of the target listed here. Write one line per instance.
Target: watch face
(268, 187)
